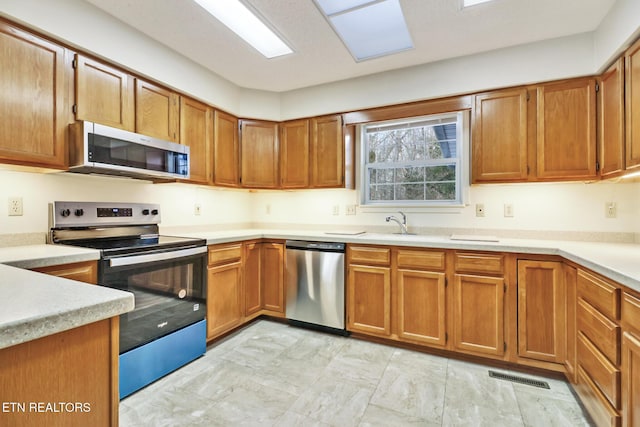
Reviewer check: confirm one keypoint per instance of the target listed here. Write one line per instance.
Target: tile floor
(271, 374)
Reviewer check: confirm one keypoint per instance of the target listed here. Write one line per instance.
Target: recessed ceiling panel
(331, 7)
(373, 31)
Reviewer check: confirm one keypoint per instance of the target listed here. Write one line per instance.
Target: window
(415, 161)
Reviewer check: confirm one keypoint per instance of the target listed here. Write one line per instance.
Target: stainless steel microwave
(100, 149)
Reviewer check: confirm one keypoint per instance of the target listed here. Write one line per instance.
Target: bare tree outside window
(413, 160)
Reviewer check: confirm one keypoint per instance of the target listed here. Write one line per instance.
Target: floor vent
(521, 380)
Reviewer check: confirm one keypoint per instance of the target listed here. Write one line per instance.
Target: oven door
(169, 289)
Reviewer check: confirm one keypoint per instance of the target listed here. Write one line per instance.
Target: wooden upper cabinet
(500, 136)
(157, 111)
(611, 120)
(104, 94)
(259, 154)
(34, 106)
(294, 154)
(542, 311)
(196, 132)
(566, 134)
(327, 152)
(226, 150)
(632, 99)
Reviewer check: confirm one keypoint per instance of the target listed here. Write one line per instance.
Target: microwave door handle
(162, 256)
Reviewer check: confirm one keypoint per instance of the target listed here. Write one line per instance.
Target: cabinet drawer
(369, 255)
(421, 260)
(599, 370)
(479, 263)
(630, 313)
(602, 332)
(600, 294)
(599, 408)
(224, 254)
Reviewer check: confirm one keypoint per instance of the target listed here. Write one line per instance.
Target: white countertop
(34, 305)
(619, 262)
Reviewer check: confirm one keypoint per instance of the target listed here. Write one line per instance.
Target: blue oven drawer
(143, 365)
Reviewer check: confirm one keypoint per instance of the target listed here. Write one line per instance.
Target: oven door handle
(162, 256)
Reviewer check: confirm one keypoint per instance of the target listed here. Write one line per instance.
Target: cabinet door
(478, 314)
(369, 300)
(566, 134)
(611, 120)
(196, 132)
(34, 101)
(224, 298)
(632, 99)
(327, 152)
(252, 278)
(542, 311)
(500, 136)
(421, 306)
(272, 276)
(630, 379)
(104, 94)
(259, 154)
(157, 111)
(226, 163)
(294, 154)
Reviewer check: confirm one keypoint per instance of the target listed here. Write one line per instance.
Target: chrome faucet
(402, 224)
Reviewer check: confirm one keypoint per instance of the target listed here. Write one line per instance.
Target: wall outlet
(610, 210)
(15, 206)
(350, 209)
(197, 209)
(336, 209)
(479, 209)
(508, 210)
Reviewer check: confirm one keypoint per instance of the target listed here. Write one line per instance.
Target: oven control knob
(154, 212)
(65, 212)
(145, 211)
(79, 212)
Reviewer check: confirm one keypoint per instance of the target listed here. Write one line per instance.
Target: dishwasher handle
(315, 246)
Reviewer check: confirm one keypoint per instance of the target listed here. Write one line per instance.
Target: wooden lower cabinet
(542, 311)
(79, 366)
(369, 300)
(272, 277)
(225, 308)
(252, 287)
(631, 379)
(478, 315)
(224, 298)
(81, 271)
(421, 306)
(245, 280)
(630, 367)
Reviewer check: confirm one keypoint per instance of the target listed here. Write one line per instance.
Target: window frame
(462, 170)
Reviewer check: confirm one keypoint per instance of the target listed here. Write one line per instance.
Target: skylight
(467, 3)
(369, 29)
(235, 15)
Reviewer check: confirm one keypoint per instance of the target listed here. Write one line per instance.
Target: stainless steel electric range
(166, 274)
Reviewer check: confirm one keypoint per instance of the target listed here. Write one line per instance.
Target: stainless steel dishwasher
(315, 284)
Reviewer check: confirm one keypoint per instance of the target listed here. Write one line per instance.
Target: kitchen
(568, 210)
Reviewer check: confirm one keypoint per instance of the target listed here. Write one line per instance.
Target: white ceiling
(439, 28)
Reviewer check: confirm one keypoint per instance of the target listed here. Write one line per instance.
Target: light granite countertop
(34, 305)
(619, 262)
